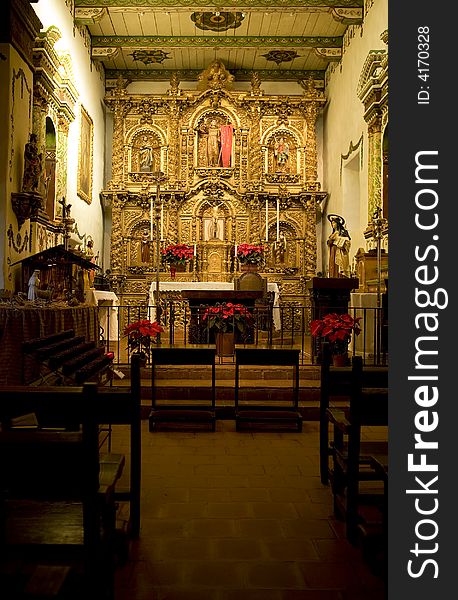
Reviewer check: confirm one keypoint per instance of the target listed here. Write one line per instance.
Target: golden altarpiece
(214, 168)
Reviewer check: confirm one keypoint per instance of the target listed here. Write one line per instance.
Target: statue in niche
(215, 143)
(144, 251)
(281, 154)
(214, 226)
(145, 157)
(339, 248)
(280, 249)
(32, 165)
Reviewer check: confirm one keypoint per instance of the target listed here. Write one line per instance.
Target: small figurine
(34, 283)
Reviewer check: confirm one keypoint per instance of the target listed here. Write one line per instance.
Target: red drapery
(226, 144)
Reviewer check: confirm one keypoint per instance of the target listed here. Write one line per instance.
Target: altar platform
(210, 286)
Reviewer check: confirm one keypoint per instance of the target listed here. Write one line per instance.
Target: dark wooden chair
(54, 508)
(356, 485)
(122, 406)
(184, 410)
(278, 411)
(336, 387)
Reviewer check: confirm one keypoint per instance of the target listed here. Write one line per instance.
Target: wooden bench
(182, 412)
(336, 385)
(249, 413)
(53, 507)
(352, 458)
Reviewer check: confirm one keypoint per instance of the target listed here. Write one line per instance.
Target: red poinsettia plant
(178, 254)
(227, 317)
(337, 330)
(141, 335)
(250, 254)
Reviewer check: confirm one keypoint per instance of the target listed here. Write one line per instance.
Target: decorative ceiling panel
(152, 37)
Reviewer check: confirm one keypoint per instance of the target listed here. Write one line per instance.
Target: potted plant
(337, 329)
(140, 336)
(225, 321)
(250, 255)
(177, 255)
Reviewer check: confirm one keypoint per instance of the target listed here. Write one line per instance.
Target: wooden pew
(352, 461)
(61, 406)
(53, 508)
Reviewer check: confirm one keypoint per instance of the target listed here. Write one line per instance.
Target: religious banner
(226, 144)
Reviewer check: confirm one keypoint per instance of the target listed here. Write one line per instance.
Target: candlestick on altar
(278, 219)
(162, 222)
(267, 220)
(151, 218)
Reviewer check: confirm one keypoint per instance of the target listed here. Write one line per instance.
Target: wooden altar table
(214, 287)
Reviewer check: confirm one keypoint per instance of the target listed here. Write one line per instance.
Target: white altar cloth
(108, 303)
(179, 286)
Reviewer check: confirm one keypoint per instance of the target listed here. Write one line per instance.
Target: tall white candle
(151, 218)
(195, 249)
(235, 250)
(162, 221)
(267, 220)
(278, 219)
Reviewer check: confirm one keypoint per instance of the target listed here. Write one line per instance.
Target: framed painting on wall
(84, 185)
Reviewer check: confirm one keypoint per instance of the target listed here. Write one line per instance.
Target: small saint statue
(32, 165)
(33, 284)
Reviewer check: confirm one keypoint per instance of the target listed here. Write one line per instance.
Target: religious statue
(146, 159)
(213, 144)
(144, 247)
(32, 165)
(215, 221)
(280, 249)
(202, 149)
(34, 283)
(93, 259)
(281, 153)
(339, 248)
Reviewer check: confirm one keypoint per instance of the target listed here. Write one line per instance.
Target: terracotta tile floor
(238, 516)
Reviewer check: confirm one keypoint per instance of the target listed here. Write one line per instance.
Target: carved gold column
(311, 164)
(173, 141)
(375, 165)
(116, 235)
(255, 146)
(118, 102)
(173, 220)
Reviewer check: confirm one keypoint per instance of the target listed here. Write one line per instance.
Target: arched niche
(145, 151)
(282, 152)
(215, 140)
(50, 169)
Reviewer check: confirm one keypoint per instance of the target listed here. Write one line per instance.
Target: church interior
(194, 299)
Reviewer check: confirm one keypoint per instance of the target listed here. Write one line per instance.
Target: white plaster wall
(15, 125)
(344, 124)
(90, 86)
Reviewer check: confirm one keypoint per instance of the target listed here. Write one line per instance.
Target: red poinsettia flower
(337, 329)
(227, 317)
(250, 254)
(178, 254)
(141, 335)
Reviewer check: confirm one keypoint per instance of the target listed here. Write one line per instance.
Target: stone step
(226, 372)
